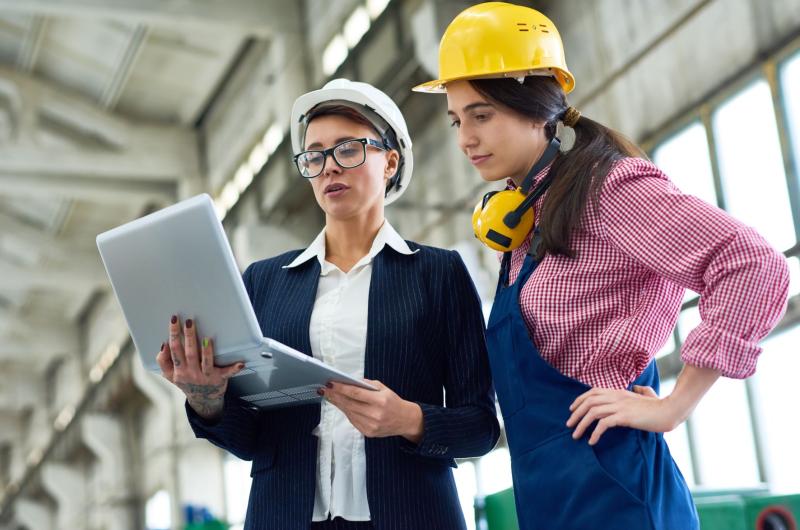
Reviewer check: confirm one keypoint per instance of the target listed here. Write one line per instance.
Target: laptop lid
(163, 264)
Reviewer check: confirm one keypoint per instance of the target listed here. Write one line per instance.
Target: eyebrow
(317, 145)
(471, 106)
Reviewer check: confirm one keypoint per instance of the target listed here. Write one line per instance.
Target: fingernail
(320, 392)
(162, 346)
(189, 323)
(174, 319)
(241, 366)
(205, 342)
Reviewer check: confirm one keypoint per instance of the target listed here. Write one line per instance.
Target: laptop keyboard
(285, 396)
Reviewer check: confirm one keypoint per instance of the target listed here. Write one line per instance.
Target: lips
(478, 159)
(335, 187)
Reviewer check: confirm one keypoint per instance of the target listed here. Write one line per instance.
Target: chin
(492, 175)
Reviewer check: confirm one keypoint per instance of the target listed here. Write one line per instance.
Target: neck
(349, 240)
(519, 176)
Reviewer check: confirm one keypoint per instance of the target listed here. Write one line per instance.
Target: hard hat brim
(439, 86)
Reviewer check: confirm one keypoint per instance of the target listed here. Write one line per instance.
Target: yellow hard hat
(496, 39)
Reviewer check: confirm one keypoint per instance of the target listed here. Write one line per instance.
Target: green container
(723, 512)
(772, 512)
(501, 511)
(209, 525)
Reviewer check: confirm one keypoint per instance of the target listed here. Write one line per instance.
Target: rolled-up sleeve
(742, 280)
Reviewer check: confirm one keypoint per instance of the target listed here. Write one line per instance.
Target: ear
(538, 124)
(392, 161)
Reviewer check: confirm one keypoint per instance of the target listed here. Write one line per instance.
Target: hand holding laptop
(190, 366)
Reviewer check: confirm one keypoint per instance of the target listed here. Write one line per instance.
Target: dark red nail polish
(329, 384)
(320, 392)
(174, 319)
(189, 323)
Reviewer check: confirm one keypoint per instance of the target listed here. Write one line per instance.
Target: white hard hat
(375, 106)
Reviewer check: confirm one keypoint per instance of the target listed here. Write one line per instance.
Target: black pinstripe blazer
(425, 339)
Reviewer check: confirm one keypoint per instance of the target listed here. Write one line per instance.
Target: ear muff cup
(490, 223)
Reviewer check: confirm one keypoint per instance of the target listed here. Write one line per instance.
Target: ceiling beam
(115, 87)
(11, 228)
(64, 144)
(32, 44)
(86, 188)
(73, 275)
(255, 17)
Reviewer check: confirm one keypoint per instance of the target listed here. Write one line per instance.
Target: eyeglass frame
(331, 151)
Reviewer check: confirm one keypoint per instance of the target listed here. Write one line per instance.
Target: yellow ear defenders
(502, 219)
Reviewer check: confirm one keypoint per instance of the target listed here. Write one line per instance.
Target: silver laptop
(177, 261)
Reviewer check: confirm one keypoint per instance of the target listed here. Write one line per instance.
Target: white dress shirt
(338, 334)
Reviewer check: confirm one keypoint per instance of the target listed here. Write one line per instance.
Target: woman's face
(499, 142)
(347, 193)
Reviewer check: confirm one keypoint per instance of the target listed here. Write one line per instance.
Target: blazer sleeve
(237, 430)
(467, 426)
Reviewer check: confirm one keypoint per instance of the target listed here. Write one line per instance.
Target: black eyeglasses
(348, 154)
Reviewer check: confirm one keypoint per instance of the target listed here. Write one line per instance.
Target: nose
(331, 167)
(466, 139)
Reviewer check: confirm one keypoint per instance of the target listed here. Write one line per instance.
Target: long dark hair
(578, 174)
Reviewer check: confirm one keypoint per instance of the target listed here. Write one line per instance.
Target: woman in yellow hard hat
(598, 248)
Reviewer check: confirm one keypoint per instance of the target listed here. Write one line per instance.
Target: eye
(455, 123)
(481, 117)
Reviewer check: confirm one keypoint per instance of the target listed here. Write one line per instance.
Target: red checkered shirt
(601, 317)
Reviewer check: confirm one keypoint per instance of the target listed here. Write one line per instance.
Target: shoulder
(433, 256)
(269, 266)
(631, 170)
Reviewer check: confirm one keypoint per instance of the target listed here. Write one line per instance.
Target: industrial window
(237, 490)
(776, 408)
(745, 143)
(685, 159)
(678, 440)
(751, 164)
(723, 437)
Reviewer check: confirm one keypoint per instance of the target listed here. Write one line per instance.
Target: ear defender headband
(502, 219)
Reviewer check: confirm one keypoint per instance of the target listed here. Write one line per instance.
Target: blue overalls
(628, 480)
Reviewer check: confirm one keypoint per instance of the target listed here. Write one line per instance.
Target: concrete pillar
(67, 486)
(111, 484)
(33, 514)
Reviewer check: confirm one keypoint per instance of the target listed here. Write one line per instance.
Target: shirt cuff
(710, 347)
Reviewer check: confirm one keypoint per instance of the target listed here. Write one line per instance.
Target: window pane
(777, 403)
(687, 321)
(158, 511)
(494, 472)
(668, 347)
(751, 164)
(464, 476)
(725, 449)
(790, 83)
(678, 440)
(237, 490)
(794, 275)
(684, 157)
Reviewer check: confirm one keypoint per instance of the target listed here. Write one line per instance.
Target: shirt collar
(387, 235)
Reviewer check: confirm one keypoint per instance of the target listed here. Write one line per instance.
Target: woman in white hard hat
(363, 300)
(598, 248)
